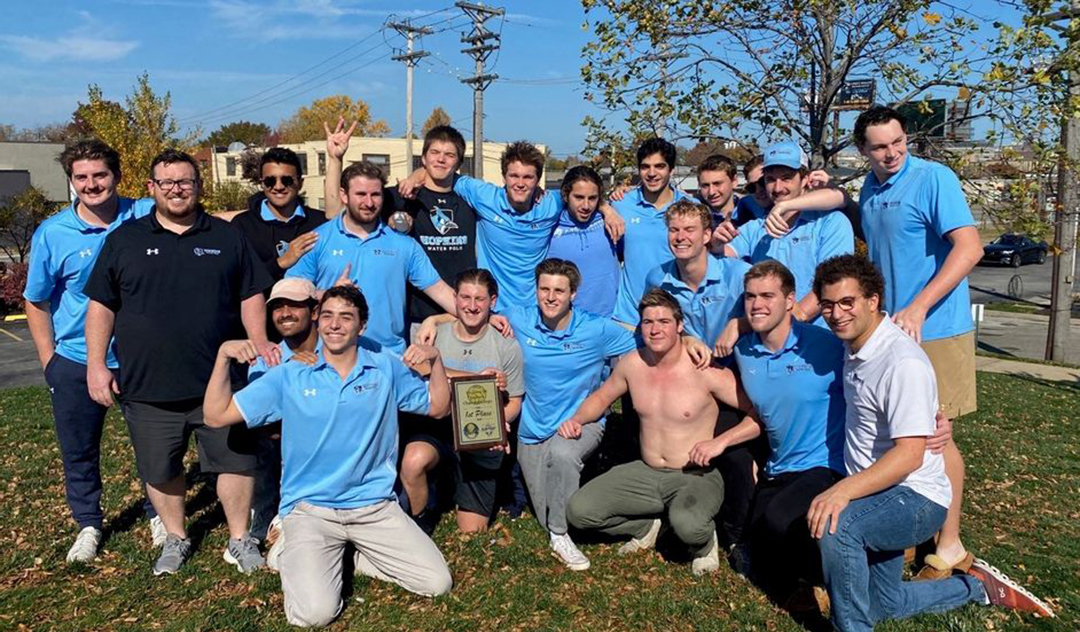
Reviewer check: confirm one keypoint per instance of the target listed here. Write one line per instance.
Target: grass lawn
(1022, 514)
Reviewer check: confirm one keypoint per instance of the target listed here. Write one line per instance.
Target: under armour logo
(466, 352)
(635, 220)
(531, 342)
(337, 253)
(151, 251)
(309, 392)
(85, 253)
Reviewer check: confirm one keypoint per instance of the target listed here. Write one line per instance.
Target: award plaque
(477, 408)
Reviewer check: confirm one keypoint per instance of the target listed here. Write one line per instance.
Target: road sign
(855, 95)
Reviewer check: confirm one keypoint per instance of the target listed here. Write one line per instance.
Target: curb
(14, 317)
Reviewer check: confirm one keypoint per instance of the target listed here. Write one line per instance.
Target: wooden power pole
(479, 50)
(409, 32)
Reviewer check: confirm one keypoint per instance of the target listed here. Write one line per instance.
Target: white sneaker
(644, 543)
(158, 532)
(568, 552)
(86, 545)
(708, 563)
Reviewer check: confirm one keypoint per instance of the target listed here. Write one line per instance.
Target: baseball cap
(785, 154)
(293, 289)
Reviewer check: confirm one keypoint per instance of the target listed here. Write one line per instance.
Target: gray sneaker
(243, 553)
(174, 553)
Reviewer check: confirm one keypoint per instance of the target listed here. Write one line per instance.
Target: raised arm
(337, 143)
(219, 408)
(253, 316)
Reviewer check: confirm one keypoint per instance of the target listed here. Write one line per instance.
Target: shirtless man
(678, 408)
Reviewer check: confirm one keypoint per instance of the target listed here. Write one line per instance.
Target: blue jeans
(863, 562)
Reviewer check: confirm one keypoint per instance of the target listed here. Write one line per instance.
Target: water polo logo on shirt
(708, 300)
(571, 346)
(382, 252)
(443, 220)
(792, 369)
(206, 251)
(360, 388)
(282, 247)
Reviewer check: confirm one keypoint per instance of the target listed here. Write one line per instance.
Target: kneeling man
(339, 444)
(678, 408)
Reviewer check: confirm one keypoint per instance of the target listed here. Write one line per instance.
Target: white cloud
(67, 48)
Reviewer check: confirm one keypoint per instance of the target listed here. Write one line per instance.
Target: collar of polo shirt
(202, 221)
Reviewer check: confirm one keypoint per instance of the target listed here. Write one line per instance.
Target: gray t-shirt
(491, 350)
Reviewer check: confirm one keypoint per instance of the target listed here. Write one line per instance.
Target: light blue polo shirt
(339, 438)
(62, 254)
(562, 367)
(382, 264)
(268, 215)
(508, 243)
(645, 246)
(591, 250)
(799, 395)
(718, 298)
(813, 238)
(905, 220)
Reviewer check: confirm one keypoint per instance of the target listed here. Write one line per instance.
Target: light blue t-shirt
(906, 220)
(718, 298)
(799, 395)
(381, 266)
(562, 367)
(813, 238)
(645, 246)
(339, 438)
(590, 248)
(62, 255)
(510, 244)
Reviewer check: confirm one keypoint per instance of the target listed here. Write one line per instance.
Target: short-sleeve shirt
(813, 238)
(906, 220)
(339, 437)
(445, 227)
(176, 299)
(590, 249)
(562, 367)
(269, 236)
(381, 265)
(645, 246)
(717, 299)
(259, 367)
(62, 254)
(798, 391)
(891, 393)
(491, 350)
(510, 244)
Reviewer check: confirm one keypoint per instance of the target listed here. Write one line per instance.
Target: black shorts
(160, 432)
(475, 472)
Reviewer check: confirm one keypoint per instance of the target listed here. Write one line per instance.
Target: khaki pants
(389, 546)
(954, 366)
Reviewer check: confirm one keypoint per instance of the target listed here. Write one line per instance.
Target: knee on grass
(313, 611)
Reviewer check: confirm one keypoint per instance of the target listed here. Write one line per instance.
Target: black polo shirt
(176, 299)
(270, 238)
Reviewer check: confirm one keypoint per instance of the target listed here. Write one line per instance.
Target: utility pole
(409, 32)
(1067, 212)
(479, 50)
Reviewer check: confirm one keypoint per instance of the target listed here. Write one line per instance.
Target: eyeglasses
(271, 181)
(186, 184)
(846, 304)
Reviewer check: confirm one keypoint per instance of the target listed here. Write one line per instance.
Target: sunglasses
(271, 181)
(752, 187)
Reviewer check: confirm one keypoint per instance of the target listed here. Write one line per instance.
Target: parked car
(1014, 250)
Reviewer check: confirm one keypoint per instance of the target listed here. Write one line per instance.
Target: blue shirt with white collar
(717, 299)
(798, 392)
(508, 243)
(906, 220)
(339, 437)
(62, 254)
(645, 246)
(562, 367)
(382, 263)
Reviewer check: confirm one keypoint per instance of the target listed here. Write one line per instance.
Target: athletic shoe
(86, 545)
(243, 553)
(174, 553)
(568, 552)
(644, 543)
(1002, 591)
(710, 562)
(158, 532)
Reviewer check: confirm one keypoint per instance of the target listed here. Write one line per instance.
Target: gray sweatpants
(626, 500)
(552, 471)
(389, 546)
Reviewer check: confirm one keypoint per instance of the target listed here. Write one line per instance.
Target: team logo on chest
(443, 219)
(199, 252)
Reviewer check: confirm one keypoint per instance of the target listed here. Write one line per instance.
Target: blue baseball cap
(785, 154)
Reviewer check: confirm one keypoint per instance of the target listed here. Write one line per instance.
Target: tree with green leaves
(755, 70)
(437, 117)
(20, 215)
(139, 130)
(307, 122)
(240, 131)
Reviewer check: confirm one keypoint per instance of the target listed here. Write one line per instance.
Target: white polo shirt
(891, 393)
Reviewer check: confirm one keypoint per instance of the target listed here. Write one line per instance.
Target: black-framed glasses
(186, 184)
(271, 181)
(845, 304)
